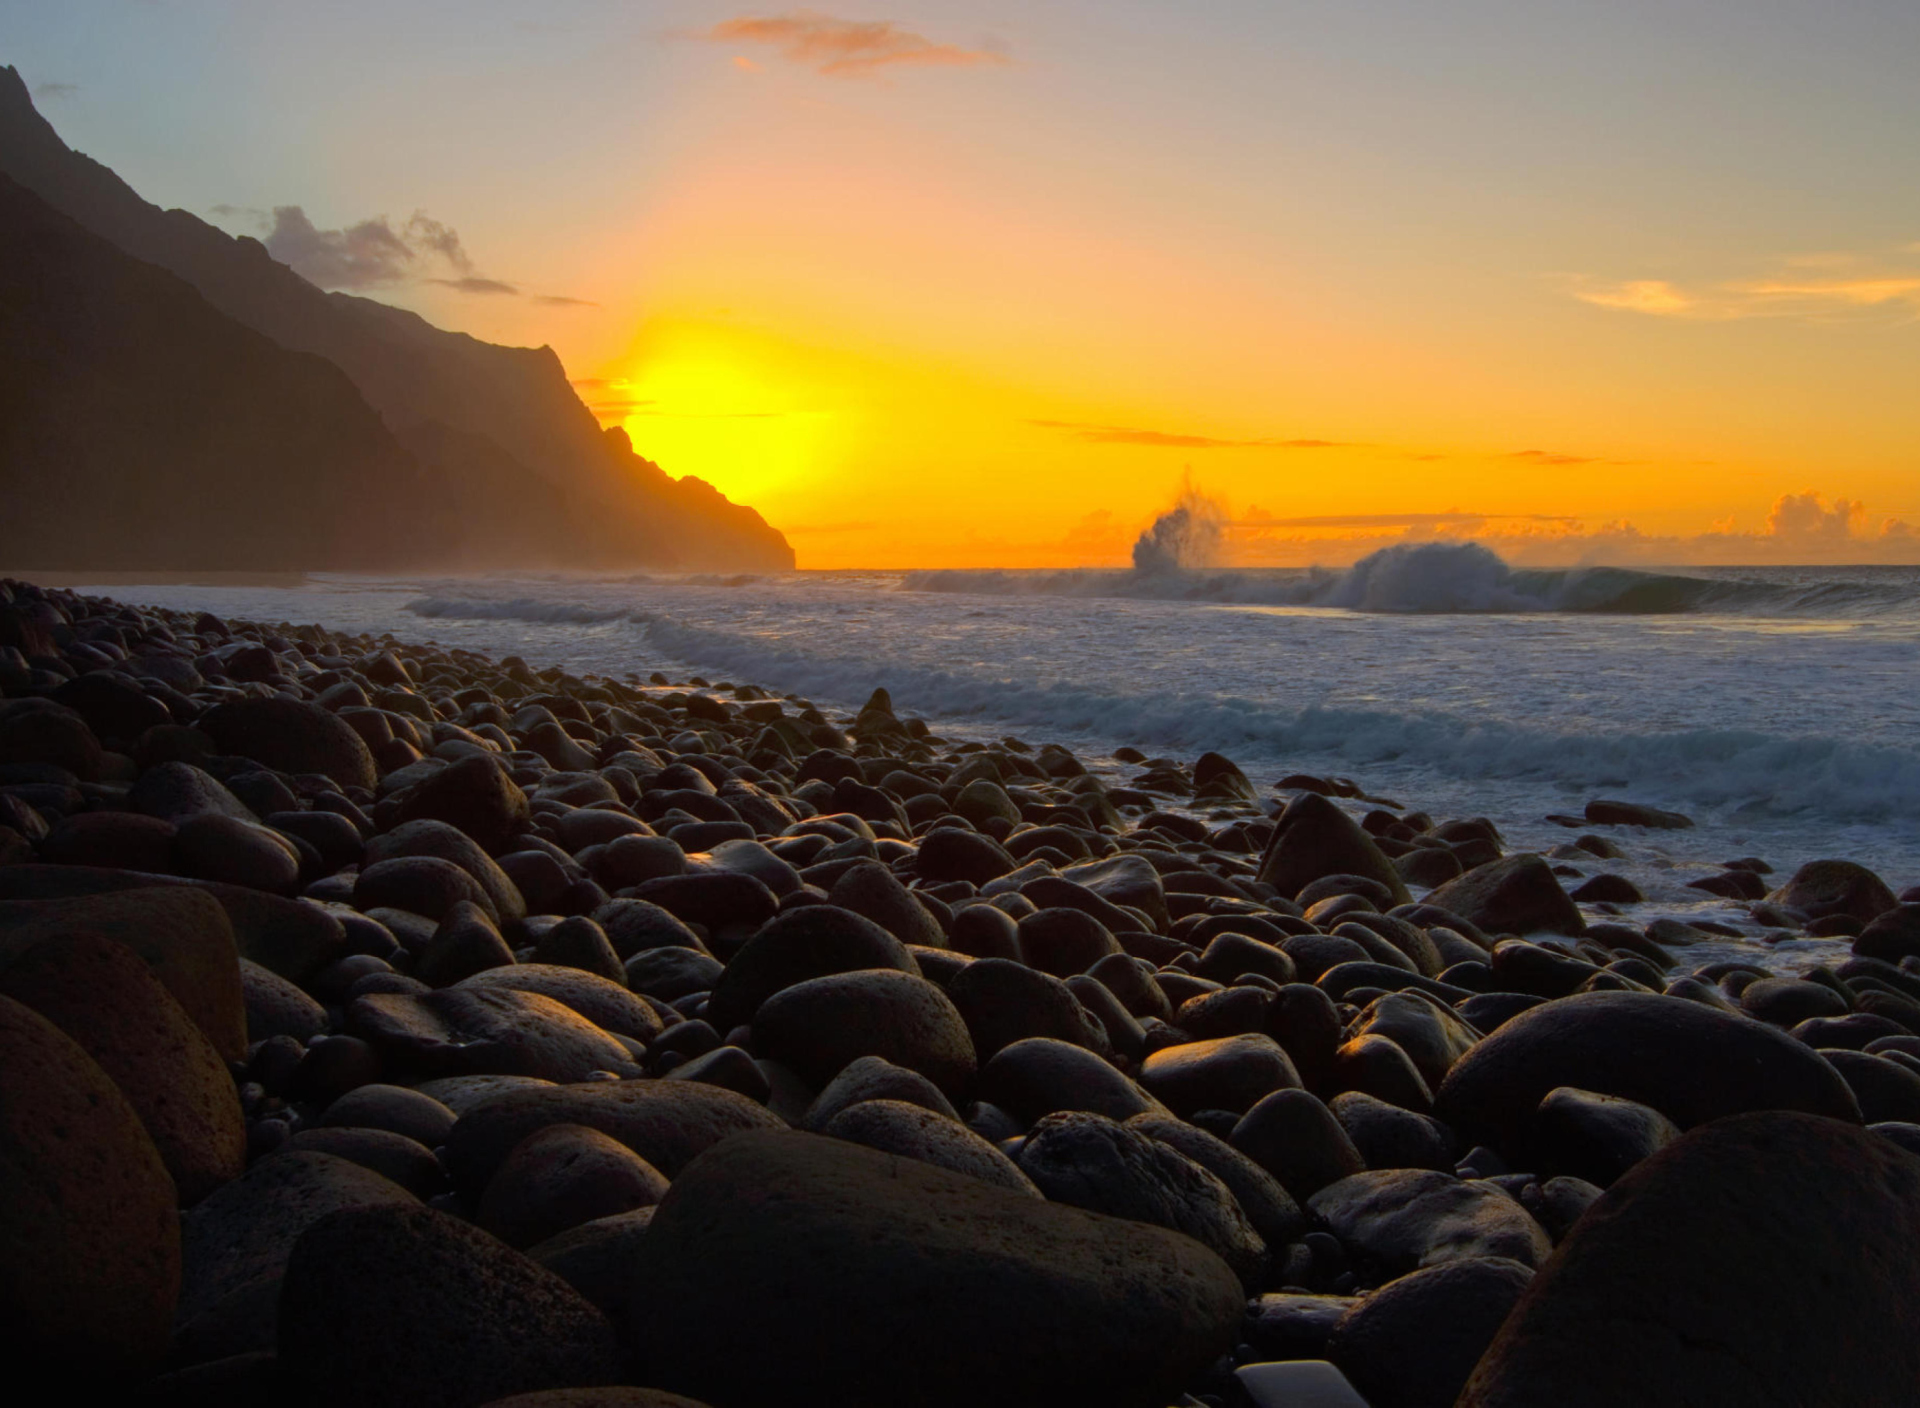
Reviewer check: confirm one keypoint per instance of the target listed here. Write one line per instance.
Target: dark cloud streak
(1172, 440)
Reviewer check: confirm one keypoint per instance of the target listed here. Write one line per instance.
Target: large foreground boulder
(868, 1279)
(89, 1239)
(408, 1306)
(1690, 1062)
(1766, 1260)
(99, 993)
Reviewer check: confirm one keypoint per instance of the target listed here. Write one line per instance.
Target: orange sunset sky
(943, 284)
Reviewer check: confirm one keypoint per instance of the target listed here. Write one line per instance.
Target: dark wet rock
(484, 1031)
(1003, 1002)
(92, 1262)
(670, 973)
(1432, 1035)
(873, 1078)
(1389, 1136)
(608, 1005)
(214, 847)
(1268, 1206)
(732, 1068)
(596, 1259)
(423, 885)
(427, 837)
(334, 836)
(1594, 1137)
(1304, 1020)
(1123, 880)
(1230, 1073)
(821, 1026)
(1089, 1161)
(411, 1113)
(102, 996)
(667, 1123)
(1377, 1066)
(921, 1286)
(402, 1161)
(1064, 941)
(634, 926)
(395, 1305)
(463, 1093)
(276, 1007)
(578, 942)
(474, 794)
(560, 1176)
(182, 934)
(1230, 956)
(124, 840)
(1824, 888)
(1686, 1283)
(717, 899)
(41, 731)
(174, 791)
(291, 736)
(1515, 895)
(1289, 1326)
(1689, 1061)
(1040, 1075)
(1519, 966)
(1786, 1002)
(235, 1244)
(813, 941)
(1225, 1011)
(1853, 1032)
(948, 853)
(1395, 1221)
(983, 931)
(1314, 838)
(914, 1132)
(114, 707)
(293, 938)
(871, 890)
(1132, 981)
(1886, 1089)
(1295, 1137)
(1892, 935)
(634, 860)
(1413, 1343)
(465, 943)
(1602, 812)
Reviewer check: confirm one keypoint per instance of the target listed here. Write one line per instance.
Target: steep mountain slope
(141, 428)
(485, 414)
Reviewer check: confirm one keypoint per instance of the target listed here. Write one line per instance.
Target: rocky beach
(392, 1023)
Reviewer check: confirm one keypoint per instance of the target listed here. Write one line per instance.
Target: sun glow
(742, 413)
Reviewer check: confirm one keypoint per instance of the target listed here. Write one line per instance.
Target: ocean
(1778, 707)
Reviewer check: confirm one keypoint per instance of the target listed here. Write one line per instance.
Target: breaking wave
(1437, 579)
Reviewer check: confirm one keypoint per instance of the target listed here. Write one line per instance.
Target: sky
(938, 284)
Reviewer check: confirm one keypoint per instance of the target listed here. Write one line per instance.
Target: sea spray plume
(1185, 537)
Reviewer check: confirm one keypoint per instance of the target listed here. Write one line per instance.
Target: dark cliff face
(140, 428)
(522, 469)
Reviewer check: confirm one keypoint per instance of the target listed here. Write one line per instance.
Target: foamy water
(1776, 707)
